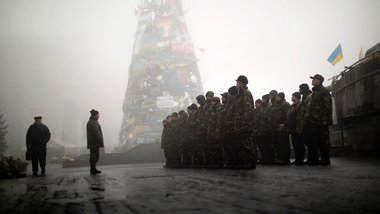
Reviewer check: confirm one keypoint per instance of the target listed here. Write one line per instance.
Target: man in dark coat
(37, 137)
(94, 140)
(291, 123)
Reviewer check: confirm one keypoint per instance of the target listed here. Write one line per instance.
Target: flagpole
(344, 64)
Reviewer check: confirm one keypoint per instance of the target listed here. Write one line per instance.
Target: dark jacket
(291, 116)
(37, 137)
(94, 134)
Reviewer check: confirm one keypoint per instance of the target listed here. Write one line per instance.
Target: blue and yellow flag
(336, 55)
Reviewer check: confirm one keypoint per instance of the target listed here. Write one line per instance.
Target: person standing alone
(37, 137)
(94, 140)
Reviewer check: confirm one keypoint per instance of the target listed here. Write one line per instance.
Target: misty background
(60, 59)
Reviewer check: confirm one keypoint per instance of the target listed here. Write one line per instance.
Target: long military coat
(94, 134)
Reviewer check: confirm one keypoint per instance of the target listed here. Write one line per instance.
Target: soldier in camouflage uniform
(263, 132)
(321, 117)
(94, 140)
(304, 127)
(195, 136)
(214, 150)
(243, 118)
(227, 123)
(173, 142)
(273, 110)
(258, 103)
(164, 138)
(291, 121)
(182, 138)
(202, 128)
(282, 145)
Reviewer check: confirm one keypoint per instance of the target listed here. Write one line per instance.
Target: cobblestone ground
(349, 185)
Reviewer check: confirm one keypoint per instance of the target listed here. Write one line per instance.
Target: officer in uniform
(94, 140)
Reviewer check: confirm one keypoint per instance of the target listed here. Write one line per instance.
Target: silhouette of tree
(3, 132)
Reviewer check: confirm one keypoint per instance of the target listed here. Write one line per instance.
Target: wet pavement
(349, 185)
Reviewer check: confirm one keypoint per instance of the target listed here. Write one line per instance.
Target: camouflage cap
(318, 77)
(265, 97)
(242, 79)
(215, 99)
(258, 101)
(281, 95)
(174, 114)
(209, 94)
(225, 95)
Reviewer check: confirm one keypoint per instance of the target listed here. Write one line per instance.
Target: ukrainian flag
(336, 56)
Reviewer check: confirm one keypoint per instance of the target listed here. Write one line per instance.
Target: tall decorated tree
(163, 73)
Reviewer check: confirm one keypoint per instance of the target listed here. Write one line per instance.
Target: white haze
(61, 58)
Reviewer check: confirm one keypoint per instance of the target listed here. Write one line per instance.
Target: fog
(60, 59)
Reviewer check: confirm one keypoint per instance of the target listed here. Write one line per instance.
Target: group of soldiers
(238, 133)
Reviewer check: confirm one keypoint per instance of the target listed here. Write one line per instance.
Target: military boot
(93, 169)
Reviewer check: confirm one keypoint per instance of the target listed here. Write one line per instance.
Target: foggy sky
(60, 59)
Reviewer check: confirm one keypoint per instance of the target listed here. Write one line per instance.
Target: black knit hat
(93, 112)
(200, 98)
(193, 107)
(233, 90)
(297, 94)
(304, 87)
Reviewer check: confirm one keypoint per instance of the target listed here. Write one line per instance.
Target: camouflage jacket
(321, 107)
(202, 119)
(304, 113)
(164, 136)
(182, 130)
(279, 112)
(263, 120)
(213, 123)
(172, 140)
(244, 111)
(227, 117)
(94, 134)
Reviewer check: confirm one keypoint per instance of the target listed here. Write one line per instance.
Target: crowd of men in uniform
(237, 132)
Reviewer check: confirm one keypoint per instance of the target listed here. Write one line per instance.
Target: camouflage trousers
(172, 155)
(322, 137)
(239, 151)
(266, 147)
(213, 153)
(94, 155)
